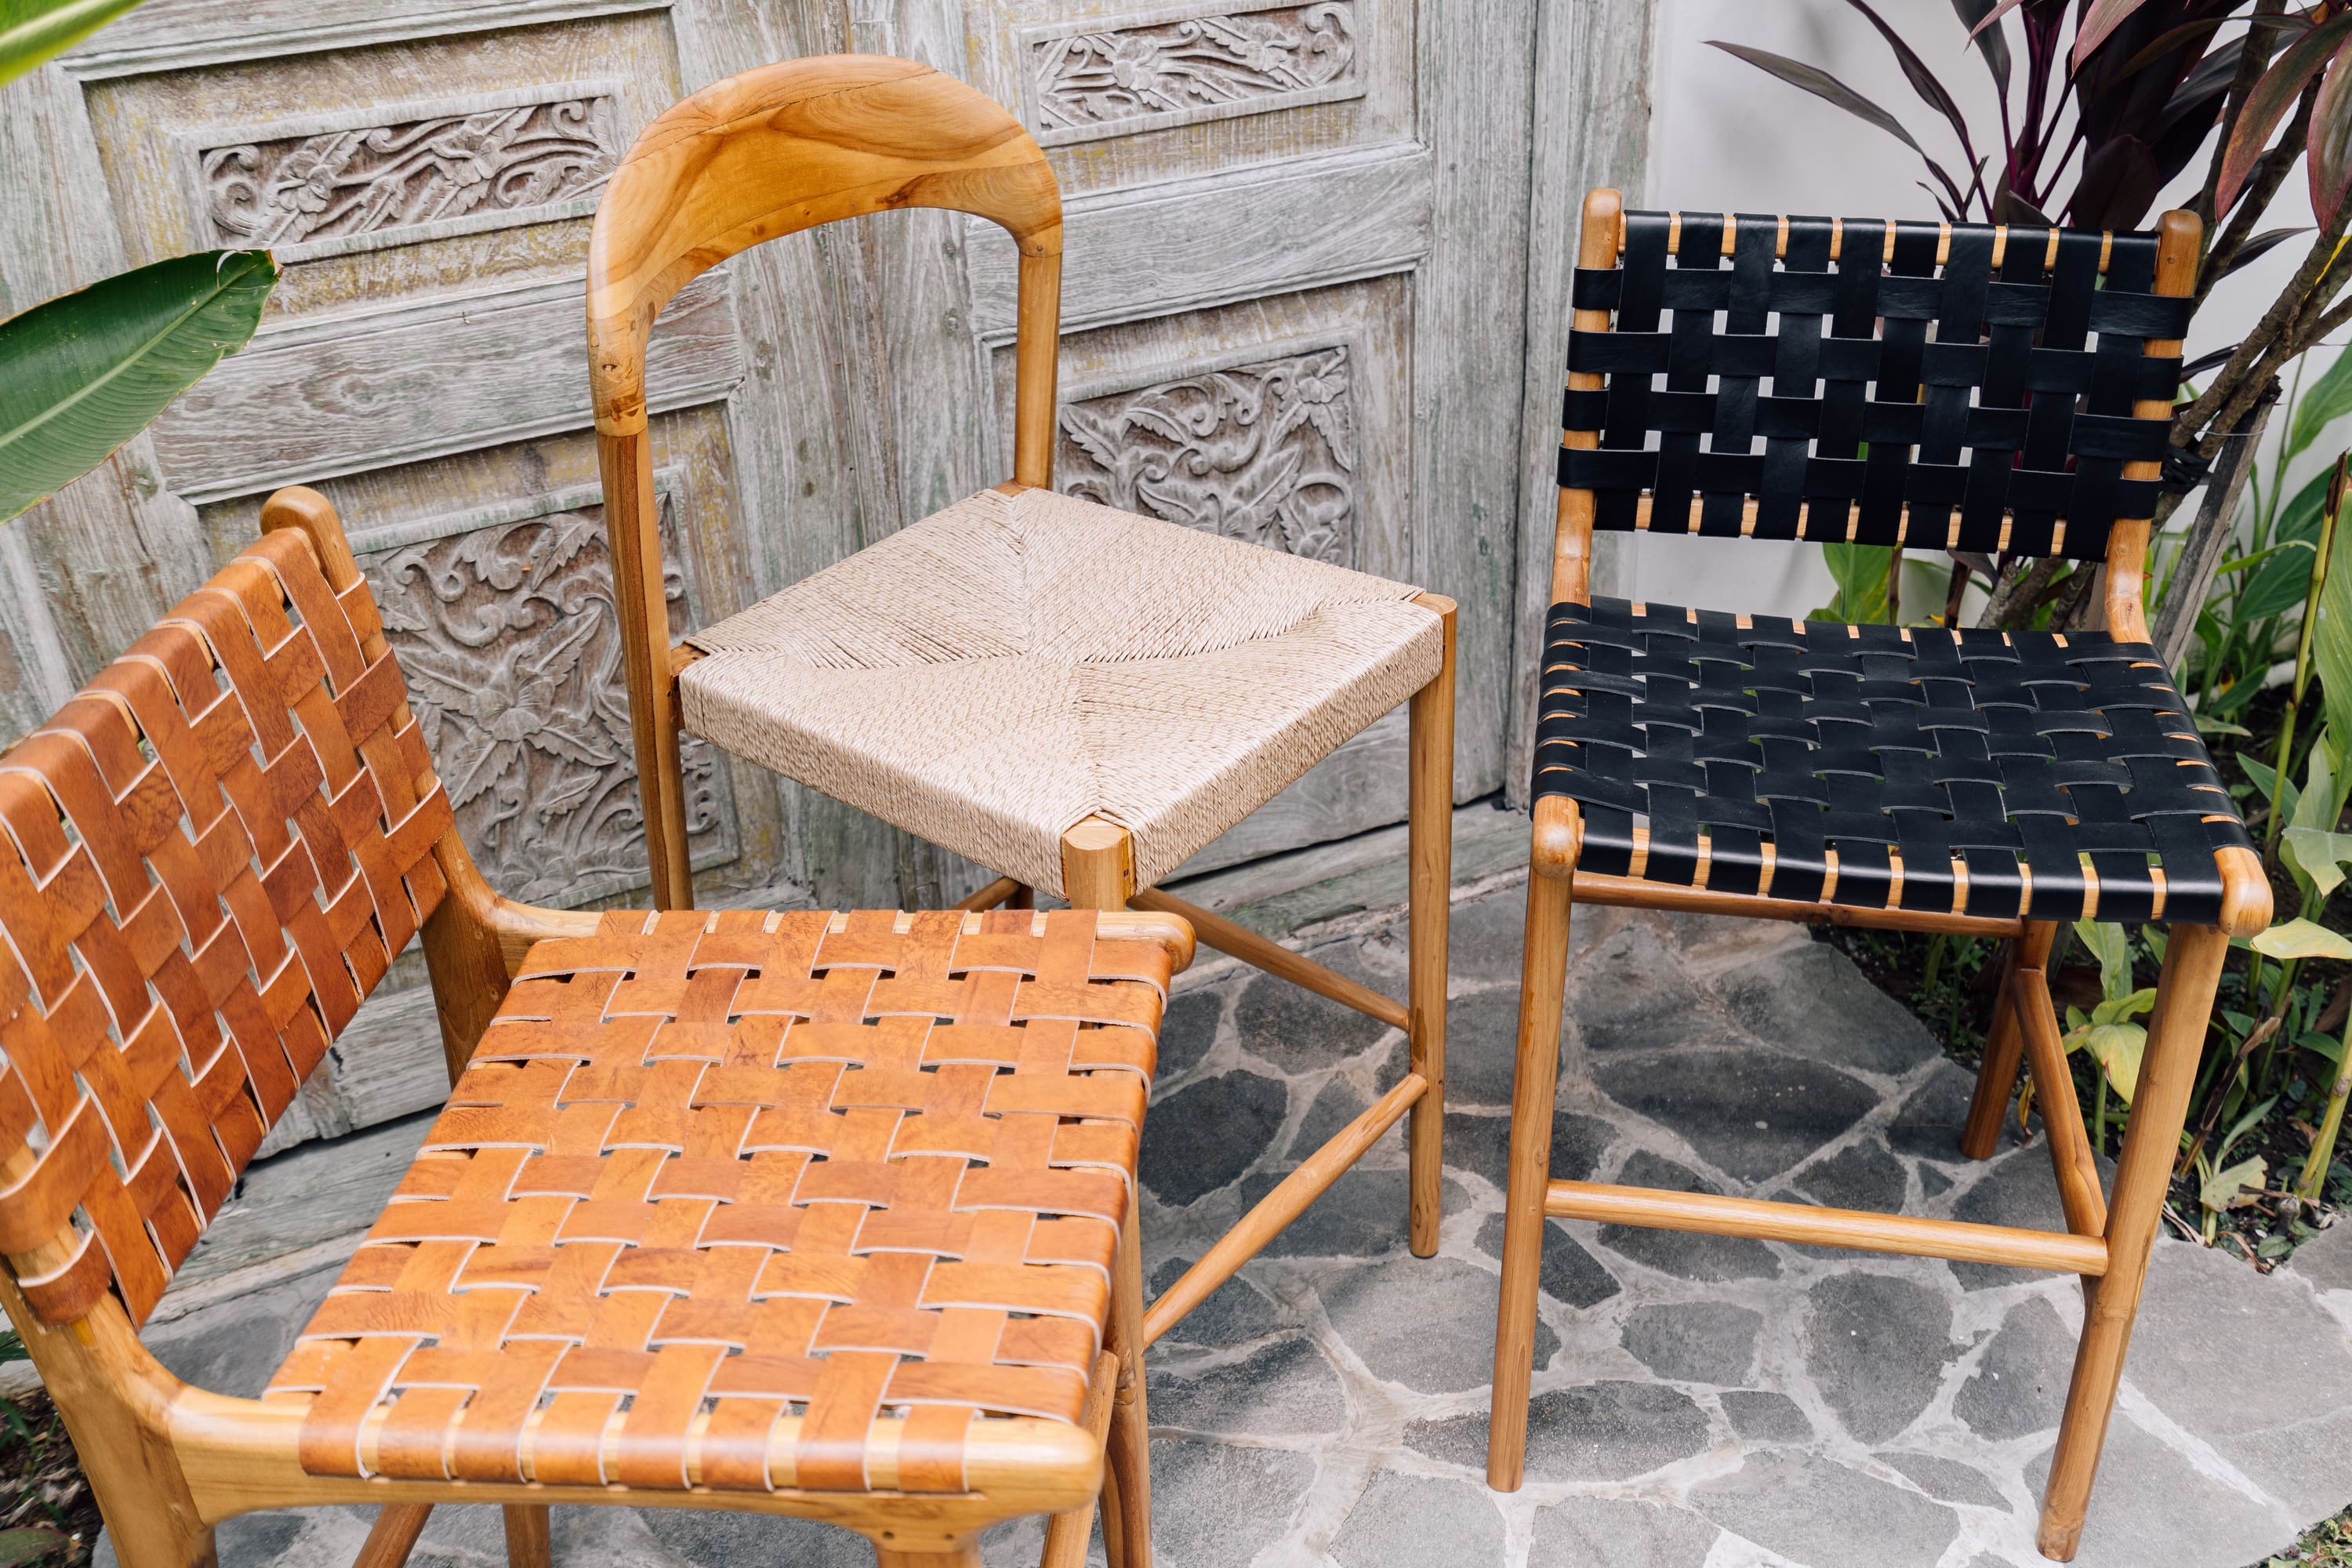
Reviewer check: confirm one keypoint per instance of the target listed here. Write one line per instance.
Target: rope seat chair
(810, 1213)
(2001, 390)
(1075, 697)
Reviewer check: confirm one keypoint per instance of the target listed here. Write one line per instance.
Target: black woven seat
(2005, 773)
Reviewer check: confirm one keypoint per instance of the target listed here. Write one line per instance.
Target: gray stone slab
(1821, 1513)
(310, 1194)
(1948, 1481)
(1361, 1214)
(2211, 1350)
(1285, 1390)
(1611, 1533)
(1187, 1029)
(1213, 1505)
(1608, 1431)
(1571, 1275)
(1420, 1521)
(1684, 1254)
(1811, 1001)
(1482, 1143)
(1859, 1176)
(1630, 993)
(1340, 1103)
(1429, 1326)
(1296, 1030)
(1751, 1114)
(2019, 1190)
(2150, 1493)
(1234, 1313)
(234, 1346)
(1928, 1124)
(1876, 1346)
(2325, 1260)
(1694, 1342)
(1760, 1415)
(2019, 1384)
(1482, 1043)
(1207, 1134)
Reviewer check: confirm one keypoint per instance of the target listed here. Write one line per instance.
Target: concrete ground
(1701, 1402)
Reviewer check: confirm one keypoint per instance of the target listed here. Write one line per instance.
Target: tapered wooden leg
(1543, 978)
(1430, 717)
(2004, 1050)
(963, 1553)
(2176, 1039)
(1127, 1448)
(394, 1535)
(527, 1541)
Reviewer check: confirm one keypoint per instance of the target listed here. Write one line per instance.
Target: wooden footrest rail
(1263, 952)
(1956, 1239)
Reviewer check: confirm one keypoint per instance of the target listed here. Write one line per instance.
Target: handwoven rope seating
(1997, 390)
(809, 1213)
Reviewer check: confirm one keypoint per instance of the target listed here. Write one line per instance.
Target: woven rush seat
(742, 1200)
(1981, 772)
(1013, 664)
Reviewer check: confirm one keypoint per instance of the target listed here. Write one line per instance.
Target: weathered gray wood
(321, 397)
(164, 35)
(1591, 127)
(386, 1064)
(1361, 786)
(1211, 238)
(292, 1202)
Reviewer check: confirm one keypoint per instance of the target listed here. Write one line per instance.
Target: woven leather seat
(1981, 773)
(738, 1200)
(1015, 664)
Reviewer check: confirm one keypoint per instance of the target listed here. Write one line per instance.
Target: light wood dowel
(1593, 888)
(1543, 983)
(2061, 1113)
(1099, 866)
(2168, 1072)
(1286, 1202)
(1001, 891)
(528, 1544)
(1066, 1533)
(1127, 1449)
(1758, 1219)
(1430, 808)
(393, 1534)
(2004, 1050)
(1263, 952)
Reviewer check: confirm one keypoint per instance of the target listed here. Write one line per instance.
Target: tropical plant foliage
(33, 30)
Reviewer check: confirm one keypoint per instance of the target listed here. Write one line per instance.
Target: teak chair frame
(168, 1461)
(2107, 1244)
(804, 143)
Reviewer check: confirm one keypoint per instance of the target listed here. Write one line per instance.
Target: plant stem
(2320, 564)
(2323, 1145)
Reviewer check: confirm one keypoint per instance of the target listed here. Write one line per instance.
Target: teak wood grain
(2106, 1243)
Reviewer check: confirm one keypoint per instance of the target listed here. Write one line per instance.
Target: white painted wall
(1727, 137)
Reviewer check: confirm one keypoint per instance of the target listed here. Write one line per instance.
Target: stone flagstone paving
(1700, 1402)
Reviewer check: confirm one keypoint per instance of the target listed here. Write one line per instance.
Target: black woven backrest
(1939, 385)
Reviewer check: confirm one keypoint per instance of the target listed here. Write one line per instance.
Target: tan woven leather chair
(1076, 697)
(819, 1214)
(1916, 778)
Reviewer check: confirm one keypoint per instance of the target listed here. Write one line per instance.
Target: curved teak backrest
(208, 858)
(766, 154)
(1998, 389)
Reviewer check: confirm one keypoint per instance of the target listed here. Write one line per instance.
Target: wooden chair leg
(2004, 1051)
(1543, 981)
(527, 1545)
(1127, 1492)
(1430, 852)
(394, 1535)
(2176, 1039)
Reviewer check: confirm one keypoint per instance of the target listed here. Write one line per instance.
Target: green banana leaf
(84, 372)
(33, 30)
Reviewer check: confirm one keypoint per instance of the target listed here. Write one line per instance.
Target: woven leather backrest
(211, 856)
(1896, 398)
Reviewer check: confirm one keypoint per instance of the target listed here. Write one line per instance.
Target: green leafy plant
(2107, 1033)
(84, 372)
(1860, 572)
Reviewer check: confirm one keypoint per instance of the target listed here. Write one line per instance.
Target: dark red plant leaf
(2260, 246)
(2329, 161)
(2268, 104)
(1993, 44)
(1821, 85)
(2103, 18)
(2204, 363)
(1990, 17)
(1914, 70)
(2203, 90)
(2120, 180)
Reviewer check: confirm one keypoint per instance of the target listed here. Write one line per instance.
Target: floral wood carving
(368, 180)
(1263, 452)
(511, 644)
(1120, 81)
